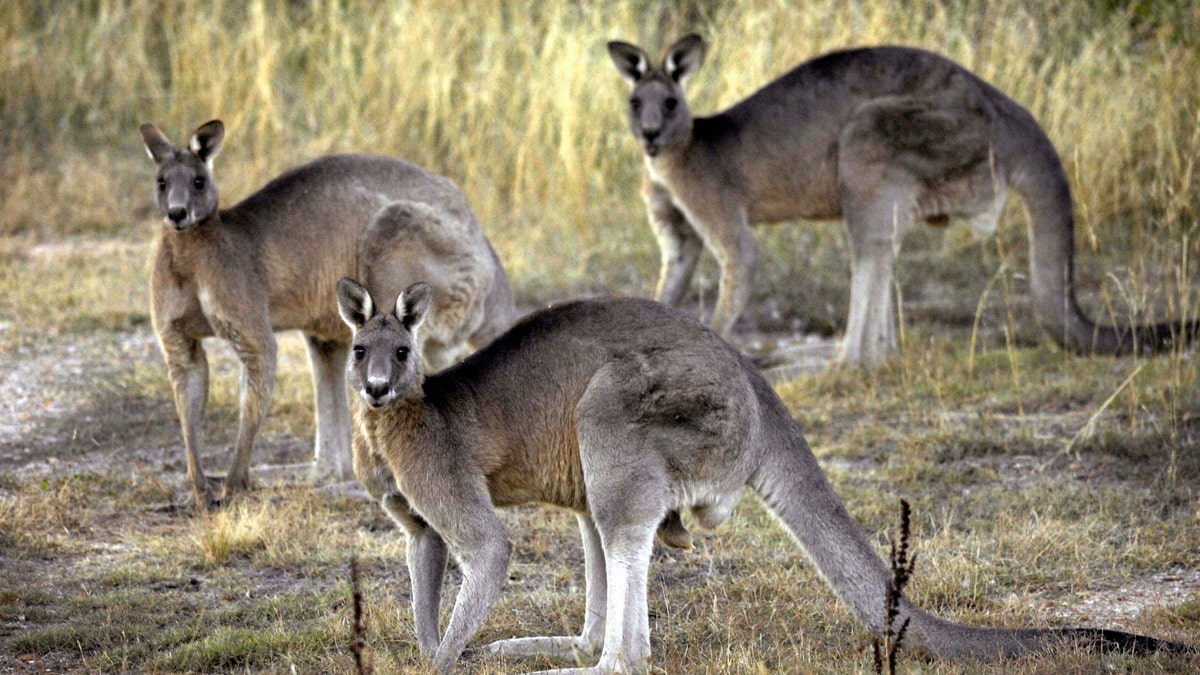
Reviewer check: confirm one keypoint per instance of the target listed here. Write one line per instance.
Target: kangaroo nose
(376, 389)
(177, 214)
(650, 135)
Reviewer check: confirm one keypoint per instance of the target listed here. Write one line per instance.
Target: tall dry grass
(521, 106)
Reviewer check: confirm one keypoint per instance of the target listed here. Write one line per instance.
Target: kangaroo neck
(399, 422)
(670, 164)
(711, 147)
(187, 249)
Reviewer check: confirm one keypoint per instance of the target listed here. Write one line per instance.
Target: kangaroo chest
(709, 187)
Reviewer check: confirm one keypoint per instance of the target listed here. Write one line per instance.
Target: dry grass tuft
(237, 531)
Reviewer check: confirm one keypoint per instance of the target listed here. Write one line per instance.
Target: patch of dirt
(1120, 606)
(65, 408)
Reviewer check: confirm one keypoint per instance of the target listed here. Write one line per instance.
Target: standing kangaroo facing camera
(626, 412)
(880, 136)
(271, 263)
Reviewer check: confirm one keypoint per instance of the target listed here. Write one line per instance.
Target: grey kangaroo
(626, 412)
(271, 262)
(883, 137)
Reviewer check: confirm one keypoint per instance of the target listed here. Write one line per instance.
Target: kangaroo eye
(199, 182)
(671, 103)
(401, 353)
(359, 353)
(635, 104)
(162, 184)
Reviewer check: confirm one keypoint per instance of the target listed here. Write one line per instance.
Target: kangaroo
(883, 137)
(625, 411)
(270, 262)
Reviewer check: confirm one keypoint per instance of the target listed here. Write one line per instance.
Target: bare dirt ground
(54, 423)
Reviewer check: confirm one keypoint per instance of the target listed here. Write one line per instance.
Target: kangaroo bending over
(626, 412)
(882, 137)
(271, 262)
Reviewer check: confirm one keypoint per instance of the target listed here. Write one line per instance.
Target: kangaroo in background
(271, 263)
(882, 137)
(626, 412)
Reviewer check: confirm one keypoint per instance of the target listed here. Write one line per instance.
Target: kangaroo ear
(412, 305)
(206, 141)
(157, 145)
(629, 59)
(684, 57)
(354, 303)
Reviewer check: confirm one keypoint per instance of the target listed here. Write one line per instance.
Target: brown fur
(625, 412)
(271, 262)
(881, 136)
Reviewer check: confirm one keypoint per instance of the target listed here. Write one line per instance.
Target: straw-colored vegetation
(521, 106)
(1039, 481)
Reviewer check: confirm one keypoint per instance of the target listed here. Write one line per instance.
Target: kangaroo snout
(377, 392)
(650, 141)
(176, 215)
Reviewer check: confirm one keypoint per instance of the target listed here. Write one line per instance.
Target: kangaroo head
(658, 112)
(186, 192)
(384, 364)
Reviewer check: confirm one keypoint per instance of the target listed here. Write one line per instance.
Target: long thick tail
(1038, 174)
(794, 487)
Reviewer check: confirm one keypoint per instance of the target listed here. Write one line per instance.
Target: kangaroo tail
(791, 483)
(946, 639)
(1040, 178)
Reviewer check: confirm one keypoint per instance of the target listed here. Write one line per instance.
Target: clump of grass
(237, 531)
(43, 516)
(233, 648)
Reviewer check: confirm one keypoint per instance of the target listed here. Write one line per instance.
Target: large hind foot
(559, 647)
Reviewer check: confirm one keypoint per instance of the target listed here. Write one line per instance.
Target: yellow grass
(522, 107)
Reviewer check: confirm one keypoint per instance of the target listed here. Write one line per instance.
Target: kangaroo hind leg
(628, 501)
(408, 241)
(187, 367)
(588, 642)
(876, 220)
(331, 447)
(257, 354)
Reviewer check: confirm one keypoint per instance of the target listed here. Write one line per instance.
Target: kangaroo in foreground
(271, 262)
(626, 412)
(883, 137)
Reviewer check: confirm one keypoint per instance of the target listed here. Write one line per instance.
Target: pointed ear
(629, 59)
(412, 305)
(354, 303)
(206, 141)
(157, 145)
(684, 57)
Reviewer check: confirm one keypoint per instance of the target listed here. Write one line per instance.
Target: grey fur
(626, 412)
(271, 262)
(883, 137)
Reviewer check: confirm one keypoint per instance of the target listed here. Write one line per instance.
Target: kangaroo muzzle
(376, 392)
